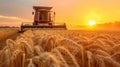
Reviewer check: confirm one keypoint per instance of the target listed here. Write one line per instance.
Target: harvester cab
(43, 18)
(42, 15)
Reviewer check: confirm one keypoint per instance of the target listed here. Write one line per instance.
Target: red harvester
(43, 18)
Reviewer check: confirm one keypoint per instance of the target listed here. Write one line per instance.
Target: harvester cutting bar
(62, 26)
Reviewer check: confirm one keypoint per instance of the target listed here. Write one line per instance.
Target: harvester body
(43, 18)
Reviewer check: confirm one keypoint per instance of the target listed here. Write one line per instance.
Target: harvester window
(43, 15)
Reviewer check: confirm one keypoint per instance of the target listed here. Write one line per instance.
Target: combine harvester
(43, 18)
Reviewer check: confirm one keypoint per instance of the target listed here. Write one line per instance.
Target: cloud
(13, 18)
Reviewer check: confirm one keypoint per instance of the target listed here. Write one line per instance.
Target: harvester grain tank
(43, 18)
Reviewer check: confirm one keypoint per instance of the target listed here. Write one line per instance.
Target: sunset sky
(72, 12)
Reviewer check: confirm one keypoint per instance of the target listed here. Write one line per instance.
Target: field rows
(62, 48)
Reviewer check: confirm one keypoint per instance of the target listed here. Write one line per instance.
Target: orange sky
(73, 12)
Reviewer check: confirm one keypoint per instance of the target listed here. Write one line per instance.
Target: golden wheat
(60, 48)
(116, 56)
(48, 60)
(59, 57)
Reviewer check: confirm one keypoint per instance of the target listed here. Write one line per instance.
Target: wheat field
(6, 32)
(62, 48)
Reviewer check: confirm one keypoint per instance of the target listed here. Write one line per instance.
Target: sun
(91, 23)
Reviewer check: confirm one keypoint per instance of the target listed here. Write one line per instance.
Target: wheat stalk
(70, 59)
(90, 59)
(115, 49)
(27, 49)
(109, 62)
(38, 50)
(101, 52)
(58, 55)
(31, 64)
(116, 56)
(11, 45)
(99, 61)
(5, 59)
(48, 60)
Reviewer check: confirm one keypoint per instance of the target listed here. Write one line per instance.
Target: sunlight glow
(91, 23)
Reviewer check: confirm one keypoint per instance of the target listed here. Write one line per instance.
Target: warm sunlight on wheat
(62, 48)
